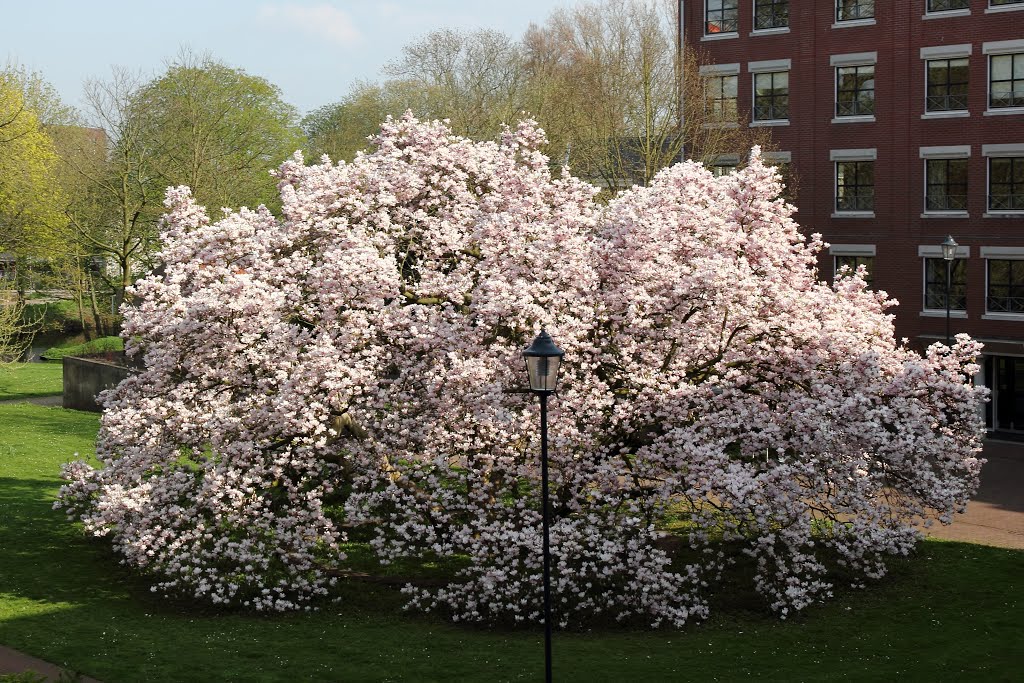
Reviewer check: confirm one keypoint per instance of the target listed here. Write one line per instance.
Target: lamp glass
(543, 371)
(949, 248)
(543, 358)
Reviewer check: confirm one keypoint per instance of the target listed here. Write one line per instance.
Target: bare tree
(15, 332)
(114, 198)
(474, 79)
(617, 99)
(605, 80)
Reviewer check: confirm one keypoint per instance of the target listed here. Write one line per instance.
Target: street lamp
(543, 359)
(948, 253)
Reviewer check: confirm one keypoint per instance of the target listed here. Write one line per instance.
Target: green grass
(950, 613)
(101, 345)
(27, 380)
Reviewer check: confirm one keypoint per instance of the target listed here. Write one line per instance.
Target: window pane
(936, 171)
(1002, 67)
(1001, 170)
(998, 272)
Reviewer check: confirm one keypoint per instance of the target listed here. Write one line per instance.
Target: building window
(771, 96)
(851, 10)
(935, 284)
(771, 14)
(1006, 183)
(855, 90)
(721, 16)
(947, 84)
(1005, 286)
(945, 184)
(1006, 81)
(1003, 3)
(947, 5)
(855, 186)
(724, 164)
(852, 262)
(720, 97)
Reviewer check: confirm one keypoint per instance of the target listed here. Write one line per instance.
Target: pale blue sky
(312, 49)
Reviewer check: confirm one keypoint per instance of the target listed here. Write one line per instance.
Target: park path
(995, 516)
(38, 400)
(13, 662)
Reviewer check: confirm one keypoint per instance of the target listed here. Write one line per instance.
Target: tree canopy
(355, 365)
(216, 129)
(31, 199)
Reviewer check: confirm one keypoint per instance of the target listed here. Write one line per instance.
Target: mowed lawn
(953, 612)
(28, 380)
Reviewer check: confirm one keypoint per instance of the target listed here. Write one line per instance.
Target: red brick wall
(897, 228)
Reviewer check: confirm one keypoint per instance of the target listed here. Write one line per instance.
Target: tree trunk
(81, 311)
(95, 308)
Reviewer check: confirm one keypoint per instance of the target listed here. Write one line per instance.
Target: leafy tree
(216, 129)
(356, 362)
(30, 195)
(341, 129)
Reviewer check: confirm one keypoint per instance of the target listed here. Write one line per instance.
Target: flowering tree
(356, 362)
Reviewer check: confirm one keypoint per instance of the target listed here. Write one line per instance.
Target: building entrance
(1004, 375)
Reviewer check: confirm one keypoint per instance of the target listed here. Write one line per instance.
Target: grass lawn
(26, 380)
(101, 345)
(951, 613)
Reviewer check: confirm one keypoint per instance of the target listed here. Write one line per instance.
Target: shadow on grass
(949, 613)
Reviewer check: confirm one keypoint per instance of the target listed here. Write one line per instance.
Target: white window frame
(996, 48)
(723, 35)
(943, 13)
(851, 59)
(850, 23)
(1000, 254)
(835, 250)
(929, 54)
(839, 155)
(934, 251)
(776, 158)
(763, 31)
(768, 66)
(991, 9)
(942, 152)
(1009, 150)
(717, 71)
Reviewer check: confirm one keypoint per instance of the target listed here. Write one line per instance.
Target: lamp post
(948, 253)
(543, 359)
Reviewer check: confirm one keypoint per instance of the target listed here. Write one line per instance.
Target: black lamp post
(542, 361)
(948, 253)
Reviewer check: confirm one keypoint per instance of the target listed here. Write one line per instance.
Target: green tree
(31, 217)
(341, 129)
(216, 129)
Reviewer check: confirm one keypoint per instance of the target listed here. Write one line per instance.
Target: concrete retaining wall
(84, 378)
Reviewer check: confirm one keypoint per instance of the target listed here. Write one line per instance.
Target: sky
(312, 49)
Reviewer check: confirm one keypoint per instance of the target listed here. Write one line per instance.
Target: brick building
(904, 123)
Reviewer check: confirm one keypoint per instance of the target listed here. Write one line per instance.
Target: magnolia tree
(356, 363)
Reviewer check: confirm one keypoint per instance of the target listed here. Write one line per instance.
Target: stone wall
(84, 378)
